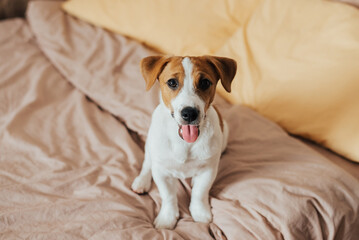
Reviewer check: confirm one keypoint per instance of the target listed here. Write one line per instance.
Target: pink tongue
(189, 133)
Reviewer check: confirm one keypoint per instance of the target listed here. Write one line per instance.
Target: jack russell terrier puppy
(187, 134)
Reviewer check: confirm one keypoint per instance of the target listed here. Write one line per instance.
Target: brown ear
(226, 69)
(151, 68)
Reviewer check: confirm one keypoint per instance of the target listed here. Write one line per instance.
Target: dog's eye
(172, 83)
(204, 84)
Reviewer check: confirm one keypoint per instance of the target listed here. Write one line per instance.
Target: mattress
(74, 117)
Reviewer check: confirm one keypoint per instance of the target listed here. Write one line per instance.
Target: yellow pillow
(179, 27)
(299, 66)
(298, 60)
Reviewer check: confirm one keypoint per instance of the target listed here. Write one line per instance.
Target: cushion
(299, 67)
(170, 26)
(298, 60)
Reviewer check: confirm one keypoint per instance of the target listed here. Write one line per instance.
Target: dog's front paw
(201, 212)
(141, 184)
(166, 219)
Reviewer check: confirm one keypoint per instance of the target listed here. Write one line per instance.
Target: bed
(74, 116)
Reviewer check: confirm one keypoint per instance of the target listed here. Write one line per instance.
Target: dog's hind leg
(142, 182)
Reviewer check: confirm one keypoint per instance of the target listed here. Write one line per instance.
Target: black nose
(189, 114)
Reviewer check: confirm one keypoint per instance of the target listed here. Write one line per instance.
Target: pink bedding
(73, 117)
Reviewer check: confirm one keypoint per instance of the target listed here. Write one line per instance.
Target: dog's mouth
(189, 133)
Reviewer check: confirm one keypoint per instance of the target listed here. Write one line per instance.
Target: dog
(187, 134)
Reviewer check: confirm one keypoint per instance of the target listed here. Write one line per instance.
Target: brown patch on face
(209, 68)
(173, 70)
(202, 69)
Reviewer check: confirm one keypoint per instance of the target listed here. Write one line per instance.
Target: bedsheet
(72, 102)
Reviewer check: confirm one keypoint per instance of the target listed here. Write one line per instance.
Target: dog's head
(188, 86)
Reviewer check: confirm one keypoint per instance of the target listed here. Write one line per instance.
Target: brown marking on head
(213, 69)
(163, 68)
(204, 71)
(205, 68)
(173, 70)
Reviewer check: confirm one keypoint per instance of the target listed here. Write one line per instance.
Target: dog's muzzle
(188, 129)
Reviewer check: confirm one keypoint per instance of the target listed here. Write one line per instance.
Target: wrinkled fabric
(66, 165)
(67, 162)
(104, 66)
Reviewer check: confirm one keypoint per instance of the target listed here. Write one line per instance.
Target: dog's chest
(182, 160)
(189, 155)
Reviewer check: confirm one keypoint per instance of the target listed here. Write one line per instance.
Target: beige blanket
(73, 118)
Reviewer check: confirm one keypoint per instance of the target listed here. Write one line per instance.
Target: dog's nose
(189, 114)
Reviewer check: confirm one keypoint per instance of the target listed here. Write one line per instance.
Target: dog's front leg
(142, 182)
(199, 207)
(167, 187)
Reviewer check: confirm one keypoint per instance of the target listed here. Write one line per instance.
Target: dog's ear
(151, 68)
(226, 69)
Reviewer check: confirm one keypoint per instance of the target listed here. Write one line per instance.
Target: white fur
(168, 157)
(187, 96)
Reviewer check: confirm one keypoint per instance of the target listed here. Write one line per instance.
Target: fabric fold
(102, 65)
